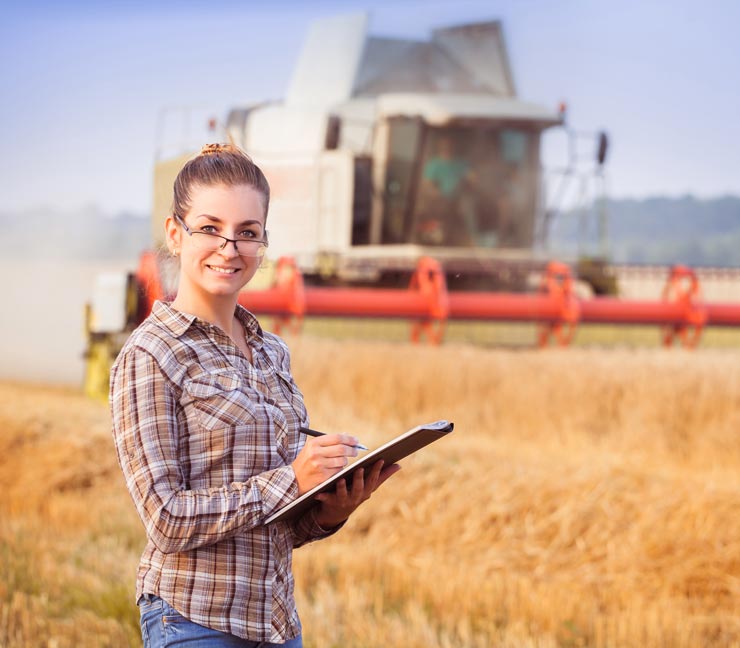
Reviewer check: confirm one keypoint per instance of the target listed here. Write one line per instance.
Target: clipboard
(391, 452)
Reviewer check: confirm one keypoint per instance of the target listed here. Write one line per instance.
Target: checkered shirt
(205, 440)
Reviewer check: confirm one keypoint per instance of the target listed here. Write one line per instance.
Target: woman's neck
(216, 310)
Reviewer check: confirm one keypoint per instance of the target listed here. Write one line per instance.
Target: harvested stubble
(585, 499)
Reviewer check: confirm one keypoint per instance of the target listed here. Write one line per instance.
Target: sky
(85, 85)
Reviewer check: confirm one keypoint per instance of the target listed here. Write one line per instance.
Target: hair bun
(215, 149)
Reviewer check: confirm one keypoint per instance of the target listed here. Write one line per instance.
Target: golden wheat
(586, 498)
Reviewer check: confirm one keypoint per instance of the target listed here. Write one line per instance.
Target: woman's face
(236, 212)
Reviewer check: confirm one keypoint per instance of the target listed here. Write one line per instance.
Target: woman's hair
(218, 164)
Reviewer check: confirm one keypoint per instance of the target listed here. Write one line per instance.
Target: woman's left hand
(336, 507)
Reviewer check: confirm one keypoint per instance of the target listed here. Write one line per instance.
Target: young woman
(205, 422)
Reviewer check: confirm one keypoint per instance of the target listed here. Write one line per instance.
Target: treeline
(655, 230)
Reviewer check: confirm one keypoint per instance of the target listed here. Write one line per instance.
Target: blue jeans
(179, 631)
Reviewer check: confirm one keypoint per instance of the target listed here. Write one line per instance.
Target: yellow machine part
(102, 348)
(99, 357)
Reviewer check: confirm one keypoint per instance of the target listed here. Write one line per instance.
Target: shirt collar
(175, 321)
(178, 322)
(251, 326)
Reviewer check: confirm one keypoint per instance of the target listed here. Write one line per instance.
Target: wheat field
(585, 498)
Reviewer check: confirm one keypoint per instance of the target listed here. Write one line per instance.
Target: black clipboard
(391, 452)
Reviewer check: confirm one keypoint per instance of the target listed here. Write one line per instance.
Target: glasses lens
(251, 248)
(206, 241)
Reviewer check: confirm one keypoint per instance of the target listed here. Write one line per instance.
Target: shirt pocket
(219, 400)
(292, 395)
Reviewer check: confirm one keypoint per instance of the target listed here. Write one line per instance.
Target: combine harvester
(357, 220)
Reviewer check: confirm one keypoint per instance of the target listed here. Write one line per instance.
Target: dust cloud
(42, 334)
(49, 260)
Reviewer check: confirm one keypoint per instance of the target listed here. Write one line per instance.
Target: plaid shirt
(205, 440)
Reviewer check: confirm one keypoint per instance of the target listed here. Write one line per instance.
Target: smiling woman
(206, 420)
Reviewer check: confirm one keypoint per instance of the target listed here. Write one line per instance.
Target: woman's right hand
(321, 458)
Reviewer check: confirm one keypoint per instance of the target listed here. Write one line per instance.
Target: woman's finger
(372, 478)
(338, 451)
(358, 483)
(341, 489)
(336, 439)
(336, 462)
(339, 495)
(332, 450)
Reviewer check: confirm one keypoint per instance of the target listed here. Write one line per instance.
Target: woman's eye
(208, 229)
(248, 234)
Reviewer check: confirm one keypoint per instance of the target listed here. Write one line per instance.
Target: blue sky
(83, 83)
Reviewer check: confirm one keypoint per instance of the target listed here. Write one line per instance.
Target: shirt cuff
(307, 529)
(277, 488)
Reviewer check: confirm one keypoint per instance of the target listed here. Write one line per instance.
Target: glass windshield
(403, 151)
(462, 186)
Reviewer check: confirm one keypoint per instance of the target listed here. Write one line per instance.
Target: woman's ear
(173, 235)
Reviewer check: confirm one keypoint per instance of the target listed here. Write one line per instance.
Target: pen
(316, 433)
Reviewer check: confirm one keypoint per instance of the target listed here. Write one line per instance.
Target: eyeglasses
(213, 242)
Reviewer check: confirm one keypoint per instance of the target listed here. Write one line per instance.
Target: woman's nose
(229, 251)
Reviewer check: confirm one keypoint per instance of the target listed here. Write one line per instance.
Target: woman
(205, 422)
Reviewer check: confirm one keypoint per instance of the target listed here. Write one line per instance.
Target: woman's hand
(321, 458)
(336, 507)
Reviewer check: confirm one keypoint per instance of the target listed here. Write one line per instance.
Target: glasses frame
(264, 241)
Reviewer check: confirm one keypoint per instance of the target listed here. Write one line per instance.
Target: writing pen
(316, 433)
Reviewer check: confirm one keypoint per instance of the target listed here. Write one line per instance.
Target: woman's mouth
(222, 270)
